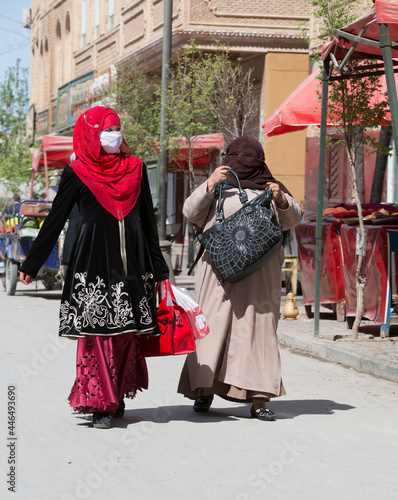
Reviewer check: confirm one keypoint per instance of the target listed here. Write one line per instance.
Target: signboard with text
(42, 123)
(80, 94)
(72, 100)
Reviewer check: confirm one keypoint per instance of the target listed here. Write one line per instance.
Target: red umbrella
(303, 108)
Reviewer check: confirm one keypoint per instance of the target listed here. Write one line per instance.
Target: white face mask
(111, 141)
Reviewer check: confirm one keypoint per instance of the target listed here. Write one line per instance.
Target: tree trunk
(380, 166)
(359, 166)
(360, 279)
(192, 183)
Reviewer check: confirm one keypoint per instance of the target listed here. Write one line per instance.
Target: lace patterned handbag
(244, 241)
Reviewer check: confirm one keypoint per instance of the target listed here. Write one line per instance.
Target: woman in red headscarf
(239, 360)
(109, 293)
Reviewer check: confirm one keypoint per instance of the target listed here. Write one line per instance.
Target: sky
(14, 38)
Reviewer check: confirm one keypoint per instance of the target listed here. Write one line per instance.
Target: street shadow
(55, 295)
(375, 330)
(297, 408)
(165, 414)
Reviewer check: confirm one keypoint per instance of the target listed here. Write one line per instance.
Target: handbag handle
(162, 291)
(219, 215)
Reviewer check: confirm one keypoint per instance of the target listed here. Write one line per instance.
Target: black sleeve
(147, 215)
(53, 224)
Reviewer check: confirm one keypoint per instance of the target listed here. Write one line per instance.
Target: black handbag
(244, 241)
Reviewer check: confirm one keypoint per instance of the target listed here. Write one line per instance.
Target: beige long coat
(239, 359)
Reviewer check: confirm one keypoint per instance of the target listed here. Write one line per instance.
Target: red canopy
(57, 149)
(303, 108)
(205, 149)
(383, 12)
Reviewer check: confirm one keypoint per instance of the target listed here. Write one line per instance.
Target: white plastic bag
(195, 315)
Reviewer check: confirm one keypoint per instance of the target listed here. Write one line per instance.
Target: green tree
(208, 92)
(353, 107)
(229, 88)
(188, 111)
(15, 156)
(136, 100)
(334, 14)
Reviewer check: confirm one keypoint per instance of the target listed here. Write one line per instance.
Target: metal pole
(385, 45)
(321, 189)
(46, 176)
(164, 158)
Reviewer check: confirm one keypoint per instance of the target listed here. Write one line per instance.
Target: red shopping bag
(176, 336)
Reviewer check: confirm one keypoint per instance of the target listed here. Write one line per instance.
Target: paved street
(336, 435)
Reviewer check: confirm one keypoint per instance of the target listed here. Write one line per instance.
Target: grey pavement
(335, 435)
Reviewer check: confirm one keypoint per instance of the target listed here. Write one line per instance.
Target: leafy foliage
(355, 105)
(15, 156)
(138, 105)
(230, 90)
(188, 113)
(332, 15)
(208, 93)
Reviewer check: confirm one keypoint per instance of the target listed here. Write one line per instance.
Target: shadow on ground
(166, 414)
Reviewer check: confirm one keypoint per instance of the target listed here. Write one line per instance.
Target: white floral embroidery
(146, 318)
(68, 316)
(147, 284)
(93, 301)
(122, 308)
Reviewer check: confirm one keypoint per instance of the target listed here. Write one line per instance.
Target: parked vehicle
(17, 235)
(18, 231)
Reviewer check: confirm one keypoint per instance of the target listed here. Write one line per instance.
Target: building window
(67, 24)
(84, 22)
(111, 14)
(97, 18)
(58, 29)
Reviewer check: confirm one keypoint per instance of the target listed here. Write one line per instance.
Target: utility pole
(164, 158)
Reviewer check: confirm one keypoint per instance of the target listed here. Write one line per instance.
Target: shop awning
(57, 149)
(303, 107)
(298, 111)
(205, 149)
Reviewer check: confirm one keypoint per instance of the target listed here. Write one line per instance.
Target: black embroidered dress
(114, 265)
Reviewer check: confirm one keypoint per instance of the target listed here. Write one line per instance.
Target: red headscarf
(115, 179)
(252, 170)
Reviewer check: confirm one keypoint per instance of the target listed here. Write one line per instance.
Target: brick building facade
(77, 43)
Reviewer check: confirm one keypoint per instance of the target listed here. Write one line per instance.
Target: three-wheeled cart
(15, 237)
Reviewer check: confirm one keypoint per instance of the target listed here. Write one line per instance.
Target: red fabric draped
(115, 179)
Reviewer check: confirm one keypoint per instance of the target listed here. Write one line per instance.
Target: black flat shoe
(120, 411)
(262, 414)
(201, 405)
(102, 420)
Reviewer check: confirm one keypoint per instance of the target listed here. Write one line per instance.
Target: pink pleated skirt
(107, 370)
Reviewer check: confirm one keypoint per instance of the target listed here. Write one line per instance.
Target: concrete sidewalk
(370, 353)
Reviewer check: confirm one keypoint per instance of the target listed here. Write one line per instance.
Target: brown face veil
(245, 155)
